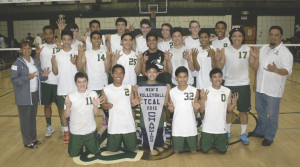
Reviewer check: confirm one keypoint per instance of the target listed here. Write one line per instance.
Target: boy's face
(216, 79)
(81, 84)
(204, 39)
(127, 42)
(145, 28)
(121, 27)
(194, 28)
(237, 38)
(67, 41)
(177, 38)
(182, 79)
(75, 33)
(95, 27)
(152, 42)
(96, 40)
(165, 32)
(118, 75)
(220, 30)
(152, 74)
(49, 35)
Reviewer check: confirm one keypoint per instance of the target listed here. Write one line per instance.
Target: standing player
(63, 65)
(140, 40)
(216, 103)
(114, 40)
(81, 107)
(184, 102)
(94, 26)
(74, 28)
(49, 87)
(167, 42)
(118, 99)
(192, 41)
(236, 59)
(179, 56)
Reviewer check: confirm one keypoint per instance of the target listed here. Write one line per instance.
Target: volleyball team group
(206, 80)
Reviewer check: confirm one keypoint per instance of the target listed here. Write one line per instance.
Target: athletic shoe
(266, 142)
(254, 134)
(49, 130)
(244, 139)
(229, 135)
(66, 137)
(167, 133)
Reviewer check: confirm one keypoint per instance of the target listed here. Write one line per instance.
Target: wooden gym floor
(284, 152)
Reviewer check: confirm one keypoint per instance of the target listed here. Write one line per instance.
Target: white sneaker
(49, 130)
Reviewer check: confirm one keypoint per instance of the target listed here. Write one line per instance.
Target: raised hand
(271, 67)
(98, 100)
(196, 105)
(32, 75)
(136, 101)
(203, 95)
(38, 50)
(218, 54)
(195, 52)
(60, 24)
(131, 28)
(254, 52)
(187, 55)
(73, 59)
(211, 52)
(46, 72)
(235, 97)
(57, 43)
(68, 102)
(139, 56)
(109, 53)
(168, 55)
(81, 49)
(117, 54)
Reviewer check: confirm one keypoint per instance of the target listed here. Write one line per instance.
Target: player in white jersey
(94, 26)
(114, 40)
(222, 41)
(236, 59)
(49, 87)
(179, 56)
(184, 102)
(74, 28)
(81, 107)
(216, 102)
(118, 99)
(166, 43)
(128, 59)
(192, 41)
(63, 65)
(140, 40)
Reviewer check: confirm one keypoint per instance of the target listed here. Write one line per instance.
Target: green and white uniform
(129, 63)
(115, 42)
(165, 45)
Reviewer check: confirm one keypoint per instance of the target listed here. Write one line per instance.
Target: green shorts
(244, 101)
(90, 141)
(49, 93)
(61, 102)
(114, 142)
(218, 141)
(181, 143)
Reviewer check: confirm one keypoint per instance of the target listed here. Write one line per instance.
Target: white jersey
(141, 44)
(89, 46)
(179, 60)
(120, 115)
(95, 68)
(45, 57)
(165, 45)
(115, 42)
(215, 110)
(237, 66)
(184, 121)
(220, 44)
(192, 43)
(128, 62)
(32, 69)
(204, 60)
(82, 119)
(75, 45)
(66, 72)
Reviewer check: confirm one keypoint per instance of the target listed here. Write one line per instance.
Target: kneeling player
(81, 106)
(183, 102)
(216, 101)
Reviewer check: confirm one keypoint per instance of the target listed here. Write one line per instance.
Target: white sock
(165, 124)
(228, 126)
(66, 129)
(243, 128)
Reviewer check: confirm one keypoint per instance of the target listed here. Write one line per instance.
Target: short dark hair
(48, 27)
(168, 25)
(117, 66)
(235, 30)
(71, 26)
(180, 70)
(66, 32)
(96, 32)
(176, 29)
(215, 71)
(129, 34)
(81, 75)
(221, 22)
(25, 42)
(204, 31)
(151, 65)
(145, 21)
(94, 21)
(151, 34)
(277, 28)
(194, 21)
(121, 19)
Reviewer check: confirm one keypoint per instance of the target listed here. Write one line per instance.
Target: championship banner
(152, 104)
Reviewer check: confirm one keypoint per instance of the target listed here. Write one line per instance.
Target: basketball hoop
(153, 13)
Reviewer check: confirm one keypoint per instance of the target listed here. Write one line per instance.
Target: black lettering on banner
(151, 116)
(223, 97)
